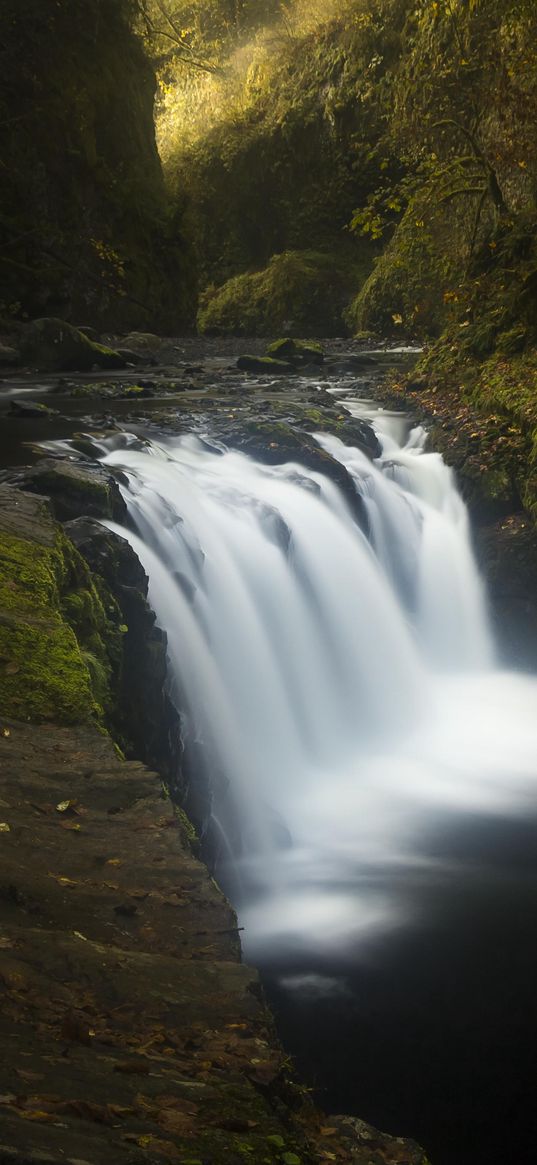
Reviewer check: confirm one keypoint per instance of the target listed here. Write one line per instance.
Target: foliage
(276, 150)
(300, 293)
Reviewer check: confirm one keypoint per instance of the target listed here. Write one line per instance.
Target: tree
(462, 99)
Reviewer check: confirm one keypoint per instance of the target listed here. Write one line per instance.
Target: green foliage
(299, 292)
(406, 291)
(462, 95)
(197, 34)
(277, 151)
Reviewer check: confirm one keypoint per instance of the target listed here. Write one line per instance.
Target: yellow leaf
(62, 880)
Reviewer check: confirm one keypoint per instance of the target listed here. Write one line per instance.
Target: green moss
(60, 644)
(42, 673)
(513, 341)
(265, 364)
(404, 295)
(300, 292)
(74, 490)
(186, 824)
(135, 390)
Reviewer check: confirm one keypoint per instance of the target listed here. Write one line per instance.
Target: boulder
(130, 357)
(142, 342)
(265, 366)
(75, 490)
(353, 363)
(8, 356)
(30, 408)
(51, 345)
(298, 352)
(90, 333)
(136, 391)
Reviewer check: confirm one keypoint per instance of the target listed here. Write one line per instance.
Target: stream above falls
(373, 770)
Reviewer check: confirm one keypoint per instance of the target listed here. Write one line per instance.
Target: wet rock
(312, 370)
(353, 364)
(142, 342)
(30, 408)
(297, 352)
(277, 442)
(52, 345)
(265, 366)
(75, 489)
(507, 553)
(130, 356)
(136, 391)
(366, 1144)
(8, 356)
(90, 333)
(145, 715)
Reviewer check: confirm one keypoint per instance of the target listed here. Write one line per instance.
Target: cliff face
(84, 226)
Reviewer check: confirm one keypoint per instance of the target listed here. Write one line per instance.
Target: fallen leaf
(70, 825)
(37, 1115)
(12, 668)
(65, 806)
(77, 934)
(4, 827)
(62, 880)
(6, 732)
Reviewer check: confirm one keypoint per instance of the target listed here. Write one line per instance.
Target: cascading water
(341, 685)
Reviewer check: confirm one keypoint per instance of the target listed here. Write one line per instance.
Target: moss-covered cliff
(85, 229)
(399, 134)
(278, 148)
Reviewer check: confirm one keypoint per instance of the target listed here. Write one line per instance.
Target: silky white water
(342, 686)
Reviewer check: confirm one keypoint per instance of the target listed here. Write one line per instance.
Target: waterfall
(341, 683)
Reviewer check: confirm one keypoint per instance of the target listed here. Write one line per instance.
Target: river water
(374, 771)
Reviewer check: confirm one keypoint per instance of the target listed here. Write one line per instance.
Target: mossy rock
(75, 490)
(142, 342)
(297, 352)
(265, 366)
(60, 628)
(299, 292)
(30, 408)
(404, 295)
(52, 345)
(42, 673)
